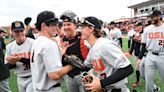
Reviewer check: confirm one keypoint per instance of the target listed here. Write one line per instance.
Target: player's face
(138, 28)
(19, 35)
(60, 31)
(52, 30)
(85, 31)
(154, 19)
(69, 28)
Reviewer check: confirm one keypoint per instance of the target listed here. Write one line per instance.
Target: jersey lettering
(25, 54)
(98, 65)
(155, 35)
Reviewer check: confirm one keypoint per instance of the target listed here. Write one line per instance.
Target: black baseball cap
(91, 21)
(155, 13)
(46, 17)
(27, 20)
(69, 16)
(17, 25)
(138, 24)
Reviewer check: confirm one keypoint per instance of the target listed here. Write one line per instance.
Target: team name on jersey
(25, 54)
(155, 35)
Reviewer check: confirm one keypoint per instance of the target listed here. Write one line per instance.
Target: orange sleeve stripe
(83, 48)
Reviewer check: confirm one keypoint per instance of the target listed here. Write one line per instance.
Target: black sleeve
(30, 34)
(11, 66)
(117, 76)
(132, 47)
(143, 50)
(3, 44)
(120, 40)
(129, 43)
(25, 61)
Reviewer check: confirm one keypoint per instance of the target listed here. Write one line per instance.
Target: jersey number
(161, 42)
(26, 66)
(98, 65)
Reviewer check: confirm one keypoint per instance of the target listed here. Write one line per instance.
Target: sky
(106, 10)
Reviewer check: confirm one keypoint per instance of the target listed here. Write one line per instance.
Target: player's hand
(127, 54)
(63, 47)
(13, 58)
(138, 64)
(95, 85)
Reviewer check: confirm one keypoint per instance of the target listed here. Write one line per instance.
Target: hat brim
(52, 20)
(18, 29)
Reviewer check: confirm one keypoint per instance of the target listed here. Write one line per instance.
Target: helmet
(69, 16)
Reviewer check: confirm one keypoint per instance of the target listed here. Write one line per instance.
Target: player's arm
(129, 42)
(117, 76)
(58, 74)
(132, 47)
(120, 40)
(143, 50)
(13, 58)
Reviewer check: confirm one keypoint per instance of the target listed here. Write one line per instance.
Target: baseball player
(4, 71)
(115, 34)
(106, 58)
(18, 52)
(136, 45)
(130, 35)
(153, 42)
(78, 48)
(46, 66)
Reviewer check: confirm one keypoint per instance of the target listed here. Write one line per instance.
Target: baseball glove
(86, 79)
(74, 61)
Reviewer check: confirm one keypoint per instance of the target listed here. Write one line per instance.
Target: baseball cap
(112, 23)
(46, 17)
(138, 24)
(91, 21)
(69, 16)
(155, 13)
(27, 20)
(17, 25)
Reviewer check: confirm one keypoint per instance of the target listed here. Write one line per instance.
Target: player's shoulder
(11, 44)
(45, 42)
(30, 39)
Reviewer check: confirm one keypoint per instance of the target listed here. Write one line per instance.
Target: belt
(56, 85)
(155, 53)
(116, 90)
(26, 76)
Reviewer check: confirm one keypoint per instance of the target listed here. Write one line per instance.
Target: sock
(138, 75)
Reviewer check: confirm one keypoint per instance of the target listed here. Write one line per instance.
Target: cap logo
(17, 24)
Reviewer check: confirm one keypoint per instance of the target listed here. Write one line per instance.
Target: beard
(155, 22)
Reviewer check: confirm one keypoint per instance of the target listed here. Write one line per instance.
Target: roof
(145, 3)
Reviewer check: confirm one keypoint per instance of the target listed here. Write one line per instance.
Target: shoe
(157, 89)
(136, 84)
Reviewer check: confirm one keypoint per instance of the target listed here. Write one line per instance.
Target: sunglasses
(83, 21)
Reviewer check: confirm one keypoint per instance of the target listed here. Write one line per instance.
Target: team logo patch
(17, 24)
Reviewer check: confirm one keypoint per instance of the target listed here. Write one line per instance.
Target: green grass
(131, 78)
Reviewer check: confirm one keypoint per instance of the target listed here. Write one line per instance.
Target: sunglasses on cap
(55, 20)
(83, 21)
